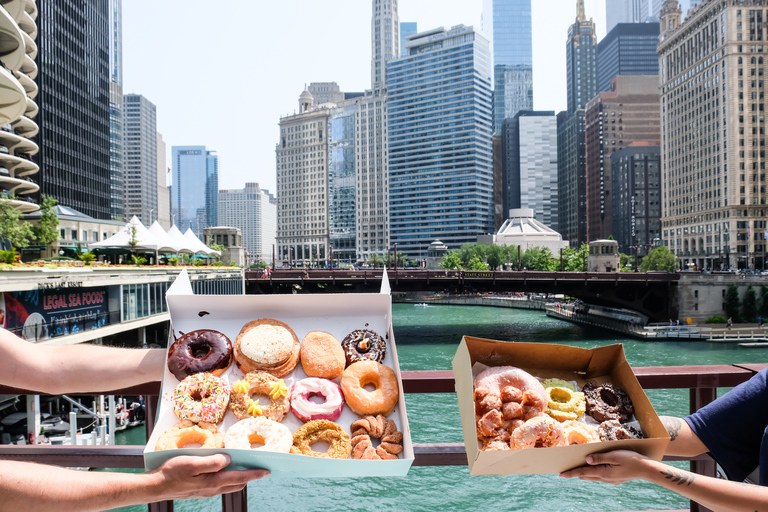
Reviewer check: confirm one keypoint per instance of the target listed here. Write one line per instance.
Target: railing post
(699, 397)
(235, 501)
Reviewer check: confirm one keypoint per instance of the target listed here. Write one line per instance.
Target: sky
(222, 74)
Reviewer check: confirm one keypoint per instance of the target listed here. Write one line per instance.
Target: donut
(186, 432)
(541, 431)
(201, 397)
(363, 402)
(322, 430)
(242, 404)
(608, 402)
(613, 430)
(274, 436)
(321, 355)
(558, 383)
(267, 345)
(378, 427)
(565, 404)
(364, 345)
(497, 377)
(577, 432)
(198, 351)
(306, 410)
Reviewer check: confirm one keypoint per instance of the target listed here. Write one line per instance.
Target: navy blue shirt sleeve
(733, 428)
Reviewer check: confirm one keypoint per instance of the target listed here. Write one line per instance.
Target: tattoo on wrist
(673, 426)
(679, 477)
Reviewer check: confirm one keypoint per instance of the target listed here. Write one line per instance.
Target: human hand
(200, 477)
(614, 467)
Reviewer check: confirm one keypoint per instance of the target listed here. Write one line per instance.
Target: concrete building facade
(628, 49)
(163, 192)
(116, 107)
(140, 158)
(253, 212)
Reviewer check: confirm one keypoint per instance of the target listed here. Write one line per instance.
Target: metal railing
(701, 381)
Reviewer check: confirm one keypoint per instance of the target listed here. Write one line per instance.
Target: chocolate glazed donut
(198, 351)
(362, 345)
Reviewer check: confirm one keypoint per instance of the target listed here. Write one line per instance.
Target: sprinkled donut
(307, 410)
(364, 345)
(198, 351)
(201, 397)
(274, 436)
(322, 430)
(186, 432)
(256, 384)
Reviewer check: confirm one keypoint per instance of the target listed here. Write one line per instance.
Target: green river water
(426, 340)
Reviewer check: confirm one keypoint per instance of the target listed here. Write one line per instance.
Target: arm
(33, 487)
(683, 441)
(621, 466)
(75, 368)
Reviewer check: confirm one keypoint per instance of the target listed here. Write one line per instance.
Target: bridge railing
(701, 381)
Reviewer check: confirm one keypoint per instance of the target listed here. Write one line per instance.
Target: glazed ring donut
(565, 404)
(201, 397)
(363, 430)
(274, 436)
(200, 351)
(363, 402)
(186, 432)
(263, 384)
(608, 402)
(541, 431)
(307, 410)
(364, 345)
(322, 430)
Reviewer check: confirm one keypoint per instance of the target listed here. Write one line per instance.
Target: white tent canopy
(197, 245)
(178, 239)
(134, 231)
(169, 244)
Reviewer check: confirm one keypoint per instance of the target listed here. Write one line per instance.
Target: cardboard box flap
(385, 289)
(181, 286)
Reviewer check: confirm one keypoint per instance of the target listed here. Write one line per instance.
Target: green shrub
(8, 256)
(717, 319)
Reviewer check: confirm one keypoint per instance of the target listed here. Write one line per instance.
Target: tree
(452, 261)
(217, 247)
(539, 258)
(476, 264)
(495, 256)
(376, 260)
(573, 259)
(659, 258)
(763, 302)
(14, 231)
(732, 302)
(749, 305)
(47, 230)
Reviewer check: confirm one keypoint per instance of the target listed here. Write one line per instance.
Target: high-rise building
(254, 212)
(116, 108)
(74, 118)
(581, 79)
(508, 24)
(140, 158)
(325, 92)
(636, 189)
(163, 192)
(342, 223)
(529, 175)
(628, 113)
(628, 49)
(407, 28)
(302, 185)
(639, 11)
(195, 191)
(18, 173)
(372, 193)
(440, 155)
(713, 134)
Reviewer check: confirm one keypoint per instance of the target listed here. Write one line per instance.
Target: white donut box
(338, 314)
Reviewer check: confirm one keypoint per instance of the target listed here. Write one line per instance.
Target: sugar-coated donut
(201, 397)
(306, 410)
(198, 351)
(580, 433)
(322, 430)
(274, 436)
(364, 345)
(495, 378)
(541, 431)
(321, 355)
(256, 384)
(382, 400)
(186, 432)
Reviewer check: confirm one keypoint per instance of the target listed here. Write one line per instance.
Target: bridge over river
(650, 293)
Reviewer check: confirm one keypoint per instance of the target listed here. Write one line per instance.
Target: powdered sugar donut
(201, 397)
(307, 410)
(274, 436)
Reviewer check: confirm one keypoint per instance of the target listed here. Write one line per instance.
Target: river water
(426, 340)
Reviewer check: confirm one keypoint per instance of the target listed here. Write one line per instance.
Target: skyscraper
(163, 192)
(581, 60)
(116, 107)
(628, 49)
(529, 145)
(440, 168)
(342, 223)
(639, 11)
(508, 24)
(254, 212)
(407, 28)
(195, 188)
(140, 162)
(74, 118)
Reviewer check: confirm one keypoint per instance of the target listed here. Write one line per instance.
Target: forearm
(713, 493)
(33, 487)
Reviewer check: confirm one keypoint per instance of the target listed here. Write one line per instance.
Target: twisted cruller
(377, 427)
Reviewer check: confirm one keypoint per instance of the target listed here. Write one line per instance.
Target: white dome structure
(523, 230)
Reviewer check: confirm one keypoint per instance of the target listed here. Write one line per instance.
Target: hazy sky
(223, 73)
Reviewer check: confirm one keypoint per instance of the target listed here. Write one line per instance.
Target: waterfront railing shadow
(702, 382)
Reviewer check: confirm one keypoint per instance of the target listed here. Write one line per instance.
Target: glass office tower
(508, 24)
(195, 188)
(440, 155)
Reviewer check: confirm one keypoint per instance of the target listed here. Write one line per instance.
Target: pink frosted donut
(496, 378)
(307, 410)
(201, 397)
(540, 431)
